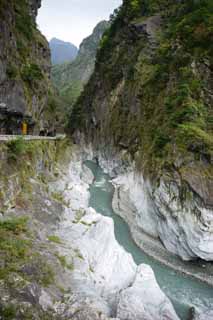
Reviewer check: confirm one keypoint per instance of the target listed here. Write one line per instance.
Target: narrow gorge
(113, 219)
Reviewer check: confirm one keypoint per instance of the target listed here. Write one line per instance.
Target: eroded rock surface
(178, 217)
(144, 300)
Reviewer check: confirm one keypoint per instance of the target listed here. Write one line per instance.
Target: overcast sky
(73, 20)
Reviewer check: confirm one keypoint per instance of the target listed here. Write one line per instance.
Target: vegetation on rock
(154, 74)
(27, 260)
(25, 83)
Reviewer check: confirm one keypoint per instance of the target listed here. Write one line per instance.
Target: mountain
(149, 104)
(70, 78)
(62, 51)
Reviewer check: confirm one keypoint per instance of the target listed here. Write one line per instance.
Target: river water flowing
(184, 292)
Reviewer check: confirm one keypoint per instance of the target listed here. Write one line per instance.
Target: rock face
(71, 78)
(62, 52)
(184, 230)
(141, 106)
(143, 299)
(25, 88)
(202, 315)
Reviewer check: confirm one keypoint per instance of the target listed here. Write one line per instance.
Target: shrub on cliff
(16, 148)
(31, 73)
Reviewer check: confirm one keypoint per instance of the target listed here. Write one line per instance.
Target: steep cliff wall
(25, 89)
(150, 98)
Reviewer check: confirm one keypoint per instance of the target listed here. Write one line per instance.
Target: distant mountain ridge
(70, 78)
(62, 51)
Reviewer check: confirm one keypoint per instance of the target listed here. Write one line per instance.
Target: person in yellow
(24, 128)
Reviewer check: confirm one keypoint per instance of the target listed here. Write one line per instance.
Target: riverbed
(183, 291)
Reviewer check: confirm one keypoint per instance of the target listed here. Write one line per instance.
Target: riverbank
(152, 246)
(131, 202)
(199, 270)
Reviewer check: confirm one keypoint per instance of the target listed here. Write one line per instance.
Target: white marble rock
(144, 300)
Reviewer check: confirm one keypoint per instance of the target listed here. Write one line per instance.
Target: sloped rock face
(180, 220)
(185, 230)
(25, 87)
(143, 300)
(202, 315)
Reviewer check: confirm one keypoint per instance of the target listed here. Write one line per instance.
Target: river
(184, 292)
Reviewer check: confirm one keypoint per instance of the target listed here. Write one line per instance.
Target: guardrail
(5, 137)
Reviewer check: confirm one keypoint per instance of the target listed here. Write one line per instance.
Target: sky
(73, 20)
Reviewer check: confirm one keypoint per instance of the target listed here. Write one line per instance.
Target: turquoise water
(184, 292)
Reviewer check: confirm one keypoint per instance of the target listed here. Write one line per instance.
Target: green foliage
(19, 148)
(8, 313)
(71, 93)
(62, 260)
(15, 225)
(39, 270)
(64, 263)
(58, 196)
(79, 214)
(53, 103)
(185, 116)
(160, 141)
(195, 28)
(13, 311)
(31, 73)
(23, 50)
(14, 249)
(24, 22)
(77, 117)
(54, 239)
(16, 148)
(46, 275)
(133, 8)
(195, 137)
(12, 71)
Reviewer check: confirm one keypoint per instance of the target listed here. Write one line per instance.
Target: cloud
(73, 20)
